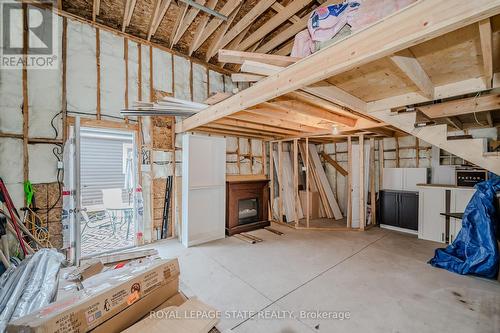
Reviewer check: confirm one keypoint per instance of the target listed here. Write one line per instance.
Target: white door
(203, 189)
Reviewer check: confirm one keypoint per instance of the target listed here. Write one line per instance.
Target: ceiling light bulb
(335, 129)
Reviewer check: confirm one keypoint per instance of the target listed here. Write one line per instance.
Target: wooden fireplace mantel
(241, 189)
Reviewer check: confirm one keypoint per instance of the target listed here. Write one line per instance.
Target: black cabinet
(399, 209)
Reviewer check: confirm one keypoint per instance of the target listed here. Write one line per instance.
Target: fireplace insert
(248, 211)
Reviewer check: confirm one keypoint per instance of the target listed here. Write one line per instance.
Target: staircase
(472, 150)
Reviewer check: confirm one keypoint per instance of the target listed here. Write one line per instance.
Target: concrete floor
(380, 277)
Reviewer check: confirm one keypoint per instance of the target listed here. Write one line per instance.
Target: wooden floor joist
(378, 41)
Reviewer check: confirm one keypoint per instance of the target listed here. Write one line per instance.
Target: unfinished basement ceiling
(111, 13)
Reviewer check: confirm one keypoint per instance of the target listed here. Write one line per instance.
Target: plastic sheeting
(29, 286)
(474, 250)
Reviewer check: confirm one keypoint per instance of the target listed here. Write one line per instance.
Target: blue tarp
(474, 250)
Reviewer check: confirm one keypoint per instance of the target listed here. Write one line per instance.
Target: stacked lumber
(291, 207)
(320, 181)
(167, 106)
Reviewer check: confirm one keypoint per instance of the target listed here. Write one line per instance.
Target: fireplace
(246, 205)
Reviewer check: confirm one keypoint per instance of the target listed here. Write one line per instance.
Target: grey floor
(379, 277)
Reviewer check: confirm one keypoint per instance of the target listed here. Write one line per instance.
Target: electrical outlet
(60, 165)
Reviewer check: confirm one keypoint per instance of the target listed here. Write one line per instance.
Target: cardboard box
(109, 293)
(141, 308)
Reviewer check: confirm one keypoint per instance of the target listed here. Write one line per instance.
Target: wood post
(25, 94)
(271, 176)
(362, 217)
(296, 180)
(280, 181)
(307, 183)
(380, 163)
(372, 182)
(349, 182)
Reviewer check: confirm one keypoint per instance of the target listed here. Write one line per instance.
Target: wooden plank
(486, 39)
(245, 239)
(183, 7)
(153, 18)
(271, 181)
(377, 41)
(186, 21)
(273, 23)
(373, 204)
(200, 30)
(274, 231)
(381, 163)
(308, 204)
(96, 8)
(334, 163)
(257, 127)
(291, 115)
(362, 205)
(129, 6)
(215, 45)
(246, 21)
(296, 180)
(64, 68)
(255, 238)
(25, 106)
(239, 57)
(459, 107)
(312, 112)
(409, 65)
(245, 77)
(337, 214)
(286, 49)
(258, 118)
(280, 181)
(216, 98)
(98, 69)
(215, 22)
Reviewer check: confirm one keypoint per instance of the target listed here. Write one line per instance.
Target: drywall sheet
(112, 75)
(11, 93)
(200, 83)
(182, 74)
(11, 170)
(81, 73)
(216, 82)
(162, 70)
(228, 84)
(42, 163)
(146, 93)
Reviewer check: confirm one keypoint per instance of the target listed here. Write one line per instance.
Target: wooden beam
(290, 115)
(273, 23)
(458, 107)
(25, 87)
(279, 7)
(334, 164)
(246, 21)
(489, 119)
(215, 45)
(186, 21)
(349, 182)
(183, 7)
(245, 77)
(375, 42)
(268, 119)
(232, 133)
(129, 7)
(486, 50)
(286, 49)
(409, 65)
(313, 111)
(200, 30)
(259, 127)
(215, 22)
(96, 8)
(239, 57)
(362, 200)
(455, 122)
(243, 130)
(154, 17)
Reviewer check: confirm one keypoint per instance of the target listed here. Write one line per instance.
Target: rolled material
(29, 286)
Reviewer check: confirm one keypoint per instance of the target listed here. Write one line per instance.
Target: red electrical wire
(10, 207)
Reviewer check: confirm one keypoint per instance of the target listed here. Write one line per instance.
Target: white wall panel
(200, 82)
(182, 69)
(112, 74)
(162, 70)
(81, 72)
(11, 95)
(216, 82)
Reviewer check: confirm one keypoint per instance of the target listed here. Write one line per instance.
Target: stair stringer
(471, 150)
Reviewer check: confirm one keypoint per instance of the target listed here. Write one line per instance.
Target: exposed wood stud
(96, 8)
(373, 204)
(280, 180)
(182, 14)
(186, 21)
(409, 65)
(362, 199)
(307, 184)
(25, 93)
(271, 176)
(486, 39)
(98, 68)
(397, 151)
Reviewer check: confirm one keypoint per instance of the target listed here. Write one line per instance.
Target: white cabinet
(459, 200)
(403, 179)
(432, 202)
(203, 189)
(431, 224)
